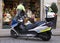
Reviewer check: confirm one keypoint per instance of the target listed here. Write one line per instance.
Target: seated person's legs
(30, 26)
(39, 23)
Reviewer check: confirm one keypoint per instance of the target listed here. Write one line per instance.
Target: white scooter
(42, 31)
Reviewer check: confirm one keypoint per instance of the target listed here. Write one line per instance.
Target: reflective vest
(21, 7)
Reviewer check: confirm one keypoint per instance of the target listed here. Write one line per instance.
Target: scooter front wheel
(13, 34)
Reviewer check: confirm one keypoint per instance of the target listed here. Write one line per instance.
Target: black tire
(45, 36)
(13, 34)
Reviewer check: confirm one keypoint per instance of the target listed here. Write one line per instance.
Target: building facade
(42, 10)
(58, 2)
(1, 14)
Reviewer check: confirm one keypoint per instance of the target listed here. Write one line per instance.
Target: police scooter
(42, 31)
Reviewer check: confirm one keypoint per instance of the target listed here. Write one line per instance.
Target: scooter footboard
(28, 32)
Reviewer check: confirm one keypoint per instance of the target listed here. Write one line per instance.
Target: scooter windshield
(14, 22)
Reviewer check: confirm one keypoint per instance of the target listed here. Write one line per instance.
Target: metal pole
(42, 10)
(1, 14)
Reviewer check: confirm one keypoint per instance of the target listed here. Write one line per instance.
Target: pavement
(54, 39)
(56, 32)
(4, 32)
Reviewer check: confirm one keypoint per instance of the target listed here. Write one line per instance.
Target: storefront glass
(9, 10)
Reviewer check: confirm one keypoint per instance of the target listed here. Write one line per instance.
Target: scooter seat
(32, 26)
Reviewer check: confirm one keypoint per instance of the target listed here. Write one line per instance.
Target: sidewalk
(4, 32)
(56, 32)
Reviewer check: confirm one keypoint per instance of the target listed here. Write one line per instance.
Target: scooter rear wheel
(13, 34)
(45, 36)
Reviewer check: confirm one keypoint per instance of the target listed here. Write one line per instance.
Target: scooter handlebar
(20, 20)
